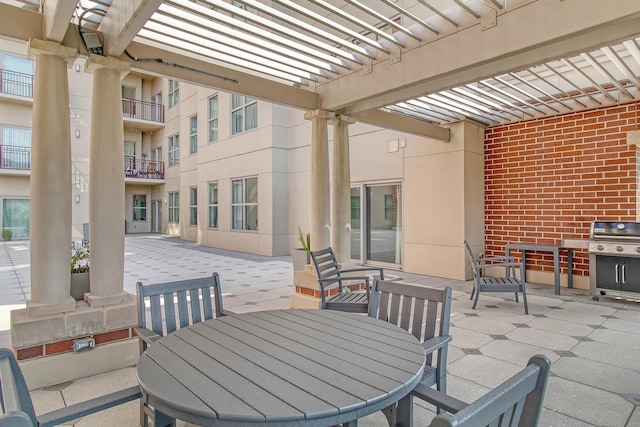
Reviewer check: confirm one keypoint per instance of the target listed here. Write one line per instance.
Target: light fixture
(77, 133)
(77, 67)
(92, 42)
(77, 198)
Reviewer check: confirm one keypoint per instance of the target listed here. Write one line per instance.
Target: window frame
(213, 204)
(193, 134)
(240, 106)
(212, 119)
(193, 206)
(173, 150)
(244, 207)
(141, 208)
(174, 206)
(173, 92)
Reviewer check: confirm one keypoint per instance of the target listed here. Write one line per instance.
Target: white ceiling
(313, 44)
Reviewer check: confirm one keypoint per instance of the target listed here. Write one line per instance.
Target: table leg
(507, 253)
(556, 270)
(524, 265)
(404, 414)
(570, 268)
(163, 420)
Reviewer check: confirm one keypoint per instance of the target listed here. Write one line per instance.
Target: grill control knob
(638, 249)
(600, 247)
(619, 248)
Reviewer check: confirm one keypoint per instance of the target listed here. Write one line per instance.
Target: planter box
(300, 258)
(79, 285)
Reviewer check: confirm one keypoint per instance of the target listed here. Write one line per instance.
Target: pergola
(413, 66)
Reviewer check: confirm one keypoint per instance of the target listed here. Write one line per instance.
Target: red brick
(112, 336)
(59, 347)
(29, 352)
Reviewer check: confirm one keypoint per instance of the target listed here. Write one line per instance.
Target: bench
(555, 250)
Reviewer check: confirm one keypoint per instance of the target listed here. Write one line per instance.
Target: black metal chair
(16, 406)
(426, 313)
(330, 275)
(516, 402)
(507, 283)
(174, 305)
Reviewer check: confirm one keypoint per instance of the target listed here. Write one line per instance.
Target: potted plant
(80, 273)
(300, 256)
(7, 234)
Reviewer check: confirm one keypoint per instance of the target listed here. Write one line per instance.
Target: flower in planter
(80, 260)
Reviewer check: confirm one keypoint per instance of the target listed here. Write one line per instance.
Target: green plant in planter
(80, 260)
(305, 241)
(7, 234)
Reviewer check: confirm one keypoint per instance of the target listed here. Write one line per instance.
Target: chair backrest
(516, 402)
(421, 310)
(197, 300)
(472, 258)
(16, 407)
(325, 263)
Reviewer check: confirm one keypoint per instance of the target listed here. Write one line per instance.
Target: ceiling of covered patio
(411, 65)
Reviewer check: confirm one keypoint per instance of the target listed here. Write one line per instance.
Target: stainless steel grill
(614, 260)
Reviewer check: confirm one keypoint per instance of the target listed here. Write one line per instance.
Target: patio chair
(196, 300)
(330, 275)
(16, 407)
(517, 402)
(507, 283)
(425, 312)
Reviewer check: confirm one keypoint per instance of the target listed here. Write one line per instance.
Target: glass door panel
(383, 224)
(355, 224)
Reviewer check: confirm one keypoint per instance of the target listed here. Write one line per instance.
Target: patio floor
(594, 347)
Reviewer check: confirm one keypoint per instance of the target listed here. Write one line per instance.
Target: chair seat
(354, 302)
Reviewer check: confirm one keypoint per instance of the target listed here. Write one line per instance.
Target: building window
(193, 134)
(156, 154)
(244, 204)
(193, 206)
(213, 118)
(213, 205)
(139, 207)
(174, 207)
(174, 150)
(244, 113)
(15, 216)
(17, 75)
(15, 148)
(157, 109)
(174, 93)
(388, 206)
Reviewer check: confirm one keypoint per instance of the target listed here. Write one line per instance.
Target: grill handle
(624, 274)
(617, 273)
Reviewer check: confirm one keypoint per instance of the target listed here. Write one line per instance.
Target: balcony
(16, 86)
(146, 116)
(143, 171)
(15, 160)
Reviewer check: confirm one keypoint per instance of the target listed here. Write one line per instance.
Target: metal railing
(136, 109)
(13, 157)
(141, 168)
(13, 83)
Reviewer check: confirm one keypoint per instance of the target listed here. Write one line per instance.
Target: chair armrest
(60, 416)
(378, 269)
(435, 343)
(146, 335)
(502, 264)
(497, 258)
(440, 400)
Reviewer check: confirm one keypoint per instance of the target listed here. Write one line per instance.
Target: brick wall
(547, 179)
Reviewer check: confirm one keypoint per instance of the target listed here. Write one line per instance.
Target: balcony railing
(142, 110)
(13, 157)
(13, 83)
(145, 169)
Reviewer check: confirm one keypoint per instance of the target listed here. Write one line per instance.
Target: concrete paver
(594, 347)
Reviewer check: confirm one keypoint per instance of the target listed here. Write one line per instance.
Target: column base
(35, 309)
(98, 301)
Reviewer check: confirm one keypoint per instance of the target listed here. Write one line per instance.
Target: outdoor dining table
(281, 368)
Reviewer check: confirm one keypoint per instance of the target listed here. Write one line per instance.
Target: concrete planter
(300, 258)
(79, 285)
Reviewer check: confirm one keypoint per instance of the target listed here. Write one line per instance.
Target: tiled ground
(594, 347)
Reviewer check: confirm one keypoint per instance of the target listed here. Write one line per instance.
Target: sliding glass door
(376, 223)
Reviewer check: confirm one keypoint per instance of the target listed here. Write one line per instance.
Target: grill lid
(615, 230)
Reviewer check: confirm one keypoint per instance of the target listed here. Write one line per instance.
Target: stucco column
(341, 191)
(319, 194)
(50, 182)
(106, 183)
